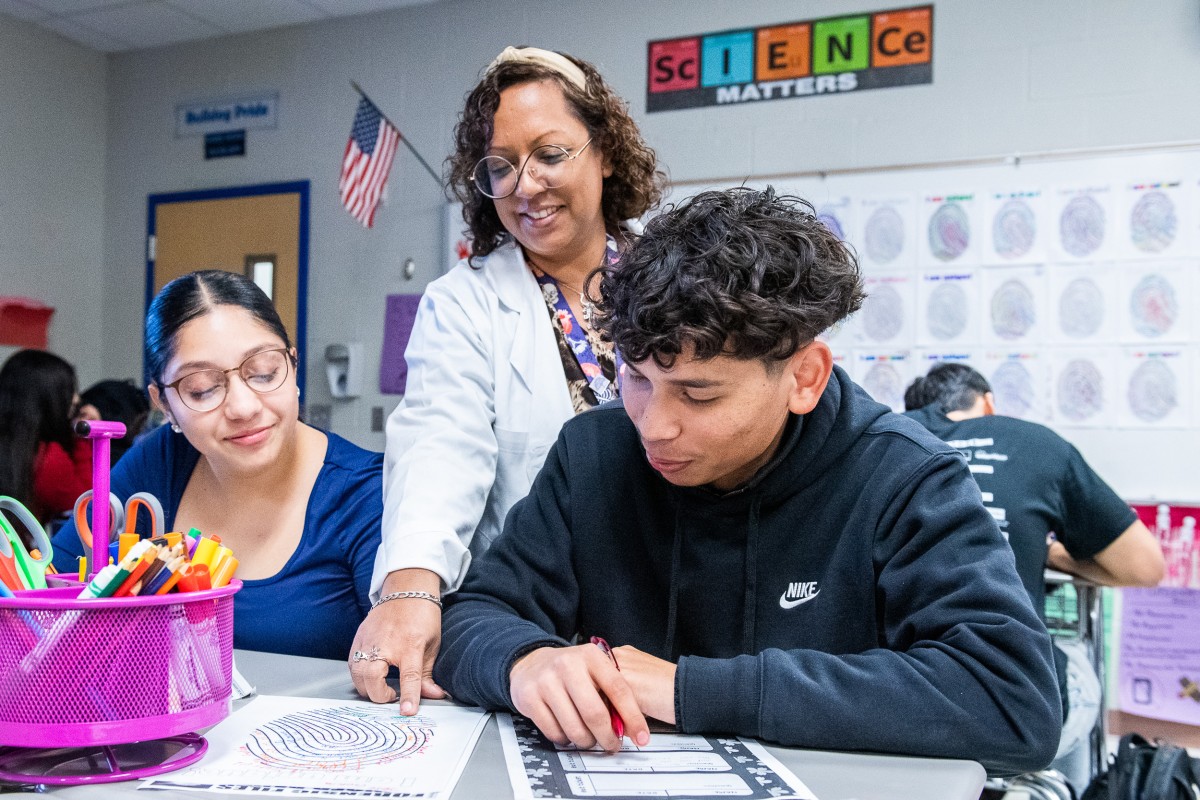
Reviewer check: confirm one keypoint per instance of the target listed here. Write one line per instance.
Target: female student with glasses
(299, 507)
(548, 165)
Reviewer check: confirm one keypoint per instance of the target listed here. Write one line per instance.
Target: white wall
(1017, 76)
(52, 125)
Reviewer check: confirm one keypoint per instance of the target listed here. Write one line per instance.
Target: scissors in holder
(119, 518)
(22, 568)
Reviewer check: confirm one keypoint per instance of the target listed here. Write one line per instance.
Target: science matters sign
(799, 59)
(258, 111)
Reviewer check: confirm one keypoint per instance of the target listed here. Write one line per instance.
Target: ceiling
(114, 26)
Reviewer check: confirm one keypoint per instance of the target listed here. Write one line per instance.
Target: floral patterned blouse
(590, 365)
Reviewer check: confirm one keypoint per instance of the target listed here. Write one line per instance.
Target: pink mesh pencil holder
(75, 673)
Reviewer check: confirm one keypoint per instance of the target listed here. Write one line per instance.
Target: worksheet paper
(673, 765)
(303, 747)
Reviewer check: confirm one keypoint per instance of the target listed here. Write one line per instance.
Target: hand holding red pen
(570, 694)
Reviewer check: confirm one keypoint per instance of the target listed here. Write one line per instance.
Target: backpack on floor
(1141, 770)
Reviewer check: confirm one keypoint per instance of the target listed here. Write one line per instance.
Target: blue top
(314, 604)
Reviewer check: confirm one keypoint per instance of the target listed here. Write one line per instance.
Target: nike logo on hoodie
(798, 593)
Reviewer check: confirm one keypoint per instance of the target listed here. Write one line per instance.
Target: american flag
(367, 162)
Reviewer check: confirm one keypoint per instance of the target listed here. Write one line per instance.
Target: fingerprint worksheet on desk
(672, 765)
(302, 747)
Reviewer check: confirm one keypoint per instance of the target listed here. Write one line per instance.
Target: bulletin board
(1070, 280)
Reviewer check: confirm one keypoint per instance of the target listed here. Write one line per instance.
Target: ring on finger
(373, 655)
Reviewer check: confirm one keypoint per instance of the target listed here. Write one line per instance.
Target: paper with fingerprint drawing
(884, 375)
(888, 315)
(303, 747)
(1016, 226)
(1020, 380)
(1084, 386)
(1084, 305)
(1014, 312)
(1156, 384)
(950, 230)
(673, 765)
(948, 307)
(1153, 219)
(1158, 303)
(1083, 219)
(887, 237)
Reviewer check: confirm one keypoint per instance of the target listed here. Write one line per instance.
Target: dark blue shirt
(314, 604)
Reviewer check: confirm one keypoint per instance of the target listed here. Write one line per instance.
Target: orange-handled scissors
(118, 516)
(19, 568)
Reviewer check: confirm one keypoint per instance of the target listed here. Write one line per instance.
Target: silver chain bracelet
(433, 598)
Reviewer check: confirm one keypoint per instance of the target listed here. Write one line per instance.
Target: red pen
(618, 724)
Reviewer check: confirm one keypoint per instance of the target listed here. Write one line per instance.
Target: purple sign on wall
(397, 327)
(1159, 673)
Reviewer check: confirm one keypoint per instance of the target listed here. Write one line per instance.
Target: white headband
(544, 58)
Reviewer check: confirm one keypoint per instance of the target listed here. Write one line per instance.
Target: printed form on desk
(673, 765)
(302, 747)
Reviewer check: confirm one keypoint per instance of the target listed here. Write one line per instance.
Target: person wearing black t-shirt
(1052, 507)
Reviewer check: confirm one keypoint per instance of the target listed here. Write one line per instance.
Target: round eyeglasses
(549, 165)
(205, 390)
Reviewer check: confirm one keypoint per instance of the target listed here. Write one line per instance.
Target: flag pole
(403, 138)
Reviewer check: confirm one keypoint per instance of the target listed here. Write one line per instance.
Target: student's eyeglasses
(549, 165)
(205, 390)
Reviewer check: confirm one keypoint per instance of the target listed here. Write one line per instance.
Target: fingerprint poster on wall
(948, 308)
(949, 231)
(1156, 387)
(887, 315)
(1015, 227)
(884, 375)
(1020, 381)
(1083, 304)
(1153, 219)
(1014, 305)
(1083, 220)
(1084, 386)
(303, 747)
(838, 214)
(888, 232)
(1156, 301)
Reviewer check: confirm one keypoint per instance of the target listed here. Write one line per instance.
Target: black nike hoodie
(855, 595)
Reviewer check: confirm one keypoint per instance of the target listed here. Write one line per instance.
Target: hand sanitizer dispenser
(344, 369)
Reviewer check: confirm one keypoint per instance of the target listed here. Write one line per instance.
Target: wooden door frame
(300, 188)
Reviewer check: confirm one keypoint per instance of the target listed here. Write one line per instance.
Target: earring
(297, 391)
(176, 428)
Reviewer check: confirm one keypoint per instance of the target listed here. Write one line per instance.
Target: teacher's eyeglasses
(205, 390)
(549, 165)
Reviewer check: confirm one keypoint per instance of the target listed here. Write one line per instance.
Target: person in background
(42, 463)
(118, 401)
(769, 552)
(1051, 506)
(549, 166)
(299, 507)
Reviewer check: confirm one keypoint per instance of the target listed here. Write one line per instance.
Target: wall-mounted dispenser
(344, 368)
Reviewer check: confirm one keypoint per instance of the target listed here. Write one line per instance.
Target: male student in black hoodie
(770, 552)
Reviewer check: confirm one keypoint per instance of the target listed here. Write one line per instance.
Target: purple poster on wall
(1159, 671)
(397, 327)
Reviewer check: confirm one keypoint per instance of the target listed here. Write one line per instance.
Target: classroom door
(258, 231)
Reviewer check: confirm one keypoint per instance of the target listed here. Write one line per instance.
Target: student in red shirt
(42, 464)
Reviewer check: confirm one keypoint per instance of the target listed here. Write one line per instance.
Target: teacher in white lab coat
(548, 166)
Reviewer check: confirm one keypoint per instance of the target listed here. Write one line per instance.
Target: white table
(832, 776)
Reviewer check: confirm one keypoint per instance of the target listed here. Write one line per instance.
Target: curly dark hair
(739, 272)
(953, 386)
(635, 186)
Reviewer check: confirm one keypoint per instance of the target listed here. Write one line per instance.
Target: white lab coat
(485, 400)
